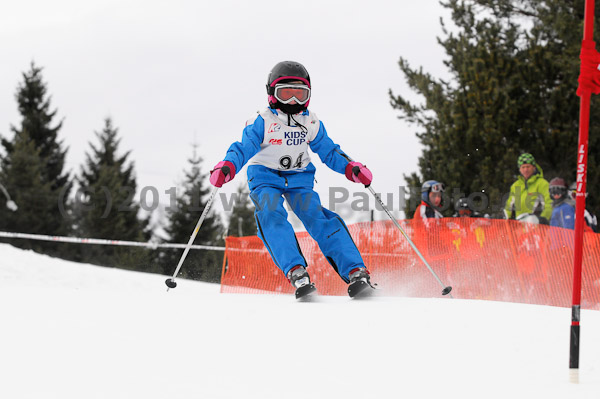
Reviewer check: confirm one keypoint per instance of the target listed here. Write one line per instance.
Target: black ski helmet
(287, 71)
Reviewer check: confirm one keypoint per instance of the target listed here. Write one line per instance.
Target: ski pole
(10, 204)
(170, 282)
(446, 289)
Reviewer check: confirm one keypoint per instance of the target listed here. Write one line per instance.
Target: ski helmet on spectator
(280, 91)
(558, 186)
(573, 190)
(431, 186)
(462, 207)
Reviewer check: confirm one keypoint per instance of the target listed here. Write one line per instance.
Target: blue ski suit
(275, 145)
(563, 214)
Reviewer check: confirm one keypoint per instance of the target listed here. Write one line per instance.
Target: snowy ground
(79, 331)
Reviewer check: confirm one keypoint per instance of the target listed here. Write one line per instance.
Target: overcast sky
(173, 72)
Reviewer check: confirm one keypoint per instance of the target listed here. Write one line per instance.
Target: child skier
(275, 143)
(431, 200)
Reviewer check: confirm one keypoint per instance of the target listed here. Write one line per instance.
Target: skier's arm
(240, 152)
(329, 152)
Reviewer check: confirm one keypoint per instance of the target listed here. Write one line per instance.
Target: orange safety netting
(492, 259)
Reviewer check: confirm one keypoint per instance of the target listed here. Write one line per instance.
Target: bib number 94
(285, 162)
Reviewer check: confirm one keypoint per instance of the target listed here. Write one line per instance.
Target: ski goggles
(286, 93)
(574, 194)
(437, 188)
(557, 190)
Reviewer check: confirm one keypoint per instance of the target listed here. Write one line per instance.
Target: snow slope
(79, 331)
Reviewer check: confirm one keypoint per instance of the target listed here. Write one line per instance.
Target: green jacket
(527, 195)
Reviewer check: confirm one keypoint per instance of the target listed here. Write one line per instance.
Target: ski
(361, 289)
(305, 290)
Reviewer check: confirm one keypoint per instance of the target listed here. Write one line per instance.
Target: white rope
(78, 240)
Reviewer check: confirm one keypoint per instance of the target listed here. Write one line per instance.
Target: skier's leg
(274, 230)
(328, 229)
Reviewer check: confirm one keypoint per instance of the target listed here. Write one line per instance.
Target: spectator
(563, 207)
(590, 218)
(529, 196)
(463, 209)
(431, 200)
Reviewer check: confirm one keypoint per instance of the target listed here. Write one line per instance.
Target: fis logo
(275, 127)
(276, 141)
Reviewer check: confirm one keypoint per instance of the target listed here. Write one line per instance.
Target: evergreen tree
(242, 214)
(191, 200)
(514, 68)
(34, 107)
(105, 207)
(35, 155)
(22, 173)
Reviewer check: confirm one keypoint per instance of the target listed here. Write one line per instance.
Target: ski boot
(360, 283)
(300, 279)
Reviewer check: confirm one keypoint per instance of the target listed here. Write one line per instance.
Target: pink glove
(223, 172)
(358, 173)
